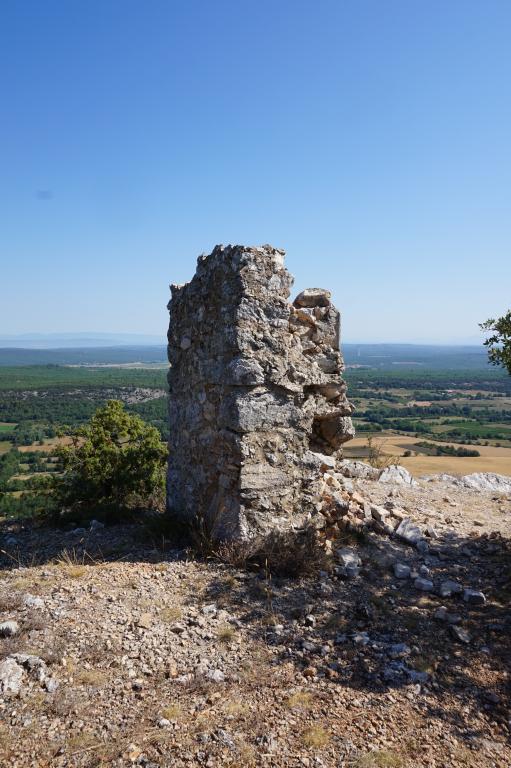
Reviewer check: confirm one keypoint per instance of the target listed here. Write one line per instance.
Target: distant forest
(379, 356)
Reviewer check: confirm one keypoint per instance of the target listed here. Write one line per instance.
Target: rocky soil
(116, 650)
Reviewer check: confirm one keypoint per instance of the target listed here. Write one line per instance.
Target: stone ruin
(257, 407)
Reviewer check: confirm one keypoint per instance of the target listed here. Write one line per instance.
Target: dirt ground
(156, 659)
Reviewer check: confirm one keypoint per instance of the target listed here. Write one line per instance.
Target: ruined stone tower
(257, 403)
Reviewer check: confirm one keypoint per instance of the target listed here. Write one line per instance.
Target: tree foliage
(499, 343)
(116, 461)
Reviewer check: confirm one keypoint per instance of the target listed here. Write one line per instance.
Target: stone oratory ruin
(257, 404)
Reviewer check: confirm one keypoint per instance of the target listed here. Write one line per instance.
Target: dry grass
(73, 564)
(246, 755)
(49, 445)
(64, 702)
(337, 622)
(95, 678)
(7, 743)
(381, 758)
(10, 645)
(229, 582)
(377, 455)
(236, 708)
(300, 700)
(83, 741)
(76, 571)
(427, 663)
(172, 712)
(34, 622)
(284, 553)
(258, 669)
(315, 737)
(226, 634)
(10, 602)
(29, 584)
(53, 653)
(170, 614)
(492, 458)
(236, 554)
(413, 620)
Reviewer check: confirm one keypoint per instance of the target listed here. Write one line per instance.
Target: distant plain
(411, 402)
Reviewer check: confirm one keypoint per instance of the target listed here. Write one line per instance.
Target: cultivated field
(48, 445)
(462, 407)
(492, 458)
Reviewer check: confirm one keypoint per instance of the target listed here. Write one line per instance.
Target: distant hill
(103, 355)
(377, 356)
(427, 356)
(78, 340)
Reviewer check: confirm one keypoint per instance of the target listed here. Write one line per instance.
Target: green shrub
(116, 462)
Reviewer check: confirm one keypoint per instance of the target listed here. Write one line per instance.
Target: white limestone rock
(11, 676)
(396, 474)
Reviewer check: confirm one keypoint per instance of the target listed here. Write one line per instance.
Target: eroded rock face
(255, 394)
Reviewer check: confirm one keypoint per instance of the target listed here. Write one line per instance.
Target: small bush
(226, 634)
(300, 700)
(170, 614)
(281, 553)
(116, 462)
(315, 737)
(379, 759)
(376, 455)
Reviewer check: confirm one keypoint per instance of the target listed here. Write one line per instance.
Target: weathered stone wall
(255, 394)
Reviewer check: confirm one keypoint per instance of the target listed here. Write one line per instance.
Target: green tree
(115, 462)
(499, 343)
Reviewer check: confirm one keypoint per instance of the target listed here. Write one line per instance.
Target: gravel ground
(134, 655)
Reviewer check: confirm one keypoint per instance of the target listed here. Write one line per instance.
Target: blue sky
(369, 138)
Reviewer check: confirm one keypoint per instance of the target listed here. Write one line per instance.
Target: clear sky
(369, 138)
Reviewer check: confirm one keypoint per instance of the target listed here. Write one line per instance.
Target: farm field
(48, 445)
(492, 458)
(462, 413)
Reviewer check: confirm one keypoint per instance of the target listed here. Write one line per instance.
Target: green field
(54, 376)
(470, 407)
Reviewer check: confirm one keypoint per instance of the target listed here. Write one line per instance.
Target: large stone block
(254, 386)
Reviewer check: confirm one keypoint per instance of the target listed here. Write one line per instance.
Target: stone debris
(12, 670)
(313, 297)
(259, 658)
(350, 562)
(9, 628)
(424, 585)
(473, 597)
(402, 571)
(442, 614)
(477, 481)
(409, 531)
(215, 675)
(11, 675)
(357, 470)
(256, 395)
(397, 476)
(347, 556)
(32, 601)
(460, 634)
(448, 588)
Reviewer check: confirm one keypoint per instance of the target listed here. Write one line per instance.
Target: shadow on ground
(372, 634)
(377, 633)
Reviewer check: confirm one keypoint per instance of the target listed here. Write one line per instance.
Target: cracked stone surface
(257, 402)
